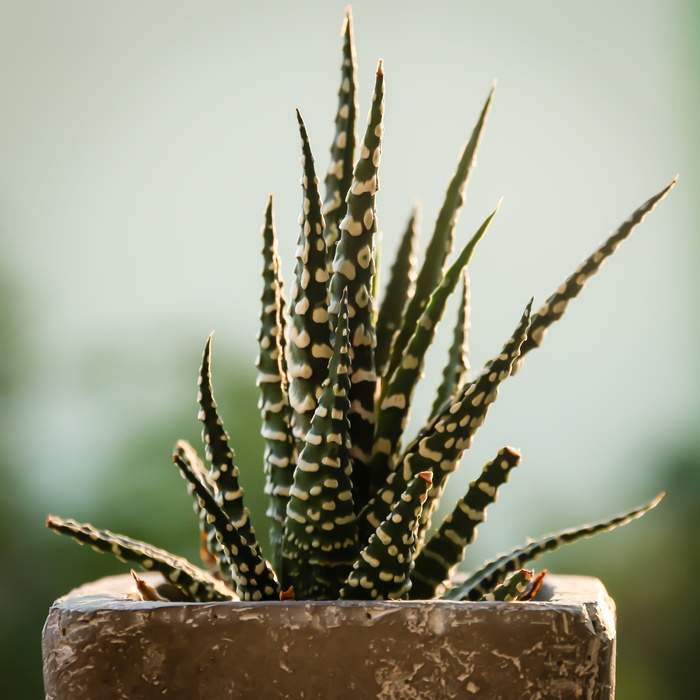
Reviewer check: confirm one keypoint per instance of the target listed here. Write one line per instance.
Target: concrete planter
(99, 644)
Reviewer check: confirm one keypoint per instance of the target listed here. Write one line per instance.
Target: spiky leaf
(494, 572)
(250, 573)
(224, 472)
(454, 374)
(399, 290)
(339, 176)
(396, 400)
(441, 243)
(353, 269)
(556, 305)
(279, 456)
(383, 569)
(309, 332)
(320, 542)
(440, 555)
(209, 549)
(193, 581)
(440, 445)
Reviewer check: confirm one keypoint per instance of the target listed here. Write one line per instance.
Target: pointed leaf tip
(380, 67)
(426, 476)
(288, 595)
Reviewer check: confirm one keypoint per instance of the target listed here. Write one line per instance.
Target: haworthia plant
(351, 495)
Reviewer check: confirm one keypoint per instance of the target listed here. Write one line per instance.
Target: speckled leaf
(383, 569)
(445, 549)
(194, 582)
(556, 305)
(209, 549)
(441, 243)
(308, 330)
(224, 472)
(279, 457)
(454, 375)
(339, 176)
(440, 445)
(320, 542)
(396, 399)
(398, 291)
(353, 269)
(250, 573)
(494, 572)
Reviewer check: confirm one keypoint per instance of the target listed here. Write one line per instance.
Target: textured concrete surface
(99, 644)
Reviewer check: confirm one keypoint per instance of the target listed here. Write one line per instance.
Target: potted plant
(355, 596)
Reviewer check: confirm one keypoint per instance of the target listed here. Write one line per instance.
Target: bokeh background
(138, 144)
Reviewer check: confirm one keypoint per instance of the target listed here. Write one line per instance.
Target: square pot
(99, 643)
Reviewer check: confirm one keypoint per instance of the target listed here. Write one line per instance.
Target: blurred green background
(138, 144)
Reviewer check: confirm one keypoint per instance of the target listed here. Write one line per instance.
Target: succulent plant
(350, 508)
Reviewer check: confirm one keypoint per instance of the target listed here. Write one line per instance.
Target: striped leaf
(339, 176)
(441, 243)
(556, 305)
(250, 573)
(454, 375)
(396, 402)
(383, 569)
(494, 572)
(209, 549)
(320, 542)
(399, 290)
(308, 330)
(224, 472)
(353, 268)
(195, 583)
(440, 555)
(279, 456)
(440, 445)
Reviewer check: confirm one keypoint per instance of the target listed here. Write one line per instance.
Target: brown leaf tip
(380, 67)
(288, 595)
(426, 476)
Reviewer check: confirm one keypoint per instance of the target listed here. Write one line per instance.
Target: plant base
(98, 643)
